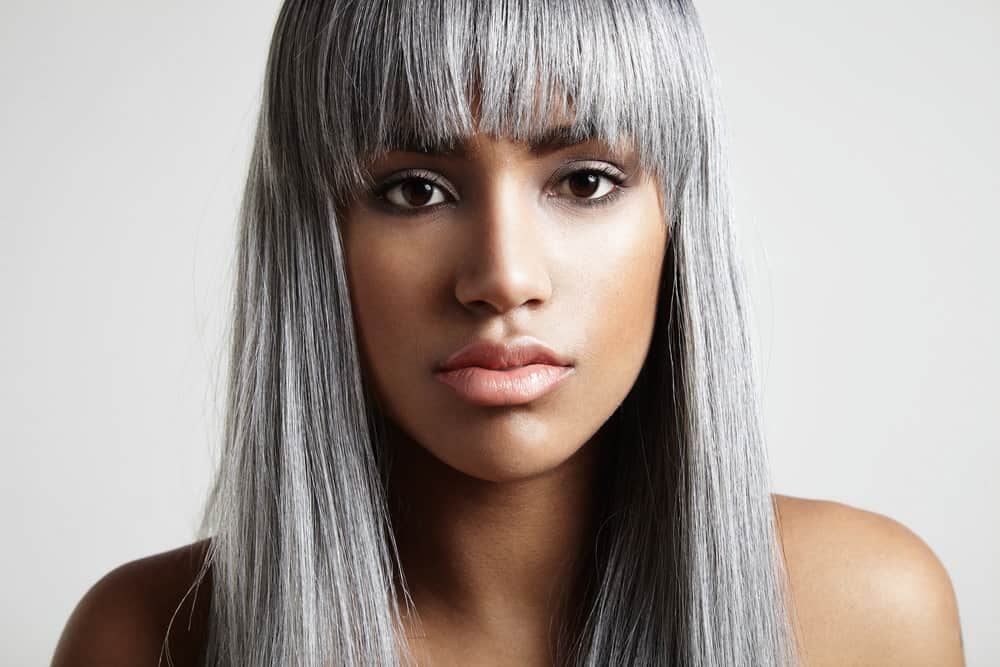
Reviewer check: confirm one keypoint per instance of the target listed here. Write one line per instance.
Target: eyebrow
(549, 140)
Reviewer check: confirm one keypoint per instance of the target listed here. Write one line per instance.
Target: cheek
(618, 306)
(391, 298)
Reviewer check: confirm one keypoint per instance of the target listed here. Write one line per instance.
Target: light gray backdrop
(865, 161)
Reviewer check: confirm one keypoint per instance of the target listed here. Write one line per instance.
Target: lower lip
(483, 386)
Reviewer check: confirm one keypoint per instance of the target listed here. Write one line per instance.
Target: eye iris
(417, 192)
(584, 184)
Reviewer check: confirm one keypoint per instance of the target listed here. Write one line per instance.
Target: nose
(505, 264)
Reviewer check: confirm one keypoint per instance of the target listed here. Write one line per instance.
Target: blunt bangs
(433, 73)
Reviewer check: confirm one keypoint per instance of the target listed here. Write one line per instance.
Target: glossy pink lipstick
(497, 374)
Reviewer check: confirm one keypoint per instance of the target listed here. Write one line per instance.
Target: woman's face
(496, 242)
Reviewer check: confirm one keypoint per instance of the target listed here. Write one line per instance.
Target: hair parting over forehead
(353, 79)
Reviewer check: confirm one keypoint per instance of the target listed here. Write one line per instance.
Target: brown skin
(865, 590)
(499, 498)
(123, 618)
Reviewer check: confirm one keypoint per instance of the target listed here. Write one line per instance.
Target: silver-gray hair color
(687, 568)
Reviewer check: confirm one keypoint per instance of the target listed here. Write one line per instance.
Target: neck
(488, 559)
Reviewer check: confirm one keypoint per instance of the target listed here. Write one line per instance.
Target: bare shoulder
(123, 618)
(866, 590)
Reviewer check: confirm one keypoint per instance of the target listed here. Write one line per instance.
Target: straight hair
(303, 567)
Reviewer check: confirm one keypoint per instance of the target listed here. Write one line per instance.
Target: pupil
(587, 183)
(417, 193)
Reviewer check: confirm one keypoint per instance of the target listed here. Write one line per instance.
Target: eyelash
(430, 177)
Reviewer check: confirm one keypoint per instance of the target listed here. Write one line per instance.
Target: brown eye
(412, 193)
(586, 184)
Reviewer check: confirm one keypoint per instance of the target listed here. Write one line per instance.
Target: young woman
(492, 393)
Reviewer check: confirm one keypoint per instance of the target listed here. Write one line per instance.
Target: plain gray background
(865, 166)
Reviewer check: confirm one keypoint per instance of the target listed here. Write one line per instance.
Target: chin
(509, 457)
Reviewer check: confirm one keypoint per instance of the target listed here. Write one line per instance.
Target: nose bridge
(505, 265)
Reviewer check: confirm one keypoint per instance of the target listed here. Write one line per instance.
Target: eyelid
(609, 169)
(618, 161)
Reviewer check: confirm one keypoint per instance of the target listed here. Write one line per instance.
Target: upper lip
(505, 354)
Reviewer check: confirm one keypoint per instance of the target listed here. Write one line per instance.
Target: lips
(509, 373)
(522, 351)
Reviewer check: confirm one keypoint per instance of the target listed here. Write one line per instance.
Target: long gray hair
(687, 567)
